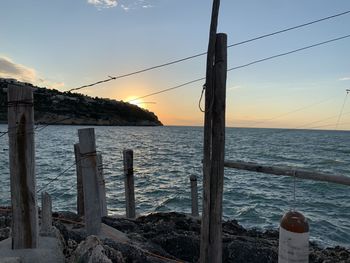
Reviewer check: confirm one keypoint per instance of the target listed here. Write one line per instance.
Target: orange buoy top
(294, 221)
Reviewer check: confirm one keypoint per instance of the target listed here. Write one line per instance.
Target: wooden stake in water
(90, 181)
(46, 213)
(194, 195)
(128, 156)
(80, 191)
(22, 167)
(102, 186)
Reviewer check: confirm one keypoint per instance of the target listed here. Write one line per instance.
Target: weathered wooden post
(22, 167)
(129, 183)
(211, 231)
(214, 144)
(101, 185)
(88, 162)
(194, 195)
(46, 213)
(209, 95)
(80, 191)
(218, 147)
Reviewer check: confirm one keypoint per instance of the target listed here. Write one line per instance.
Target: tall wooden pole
(209, 93)
(218, 150)
(92, 210)
(211, 231)
(22, 167)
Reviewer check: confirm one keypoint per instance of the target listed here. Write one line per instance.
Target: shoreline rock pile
(170, 237)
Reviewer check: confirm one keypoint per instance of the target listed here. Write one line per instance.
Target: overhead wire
(203, 78)
(328, 125)
(110, 78)
(289, 52)
(294, 111)
(245, 65)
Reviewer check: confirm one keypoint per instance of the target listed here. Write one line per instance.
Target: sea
(165, 158)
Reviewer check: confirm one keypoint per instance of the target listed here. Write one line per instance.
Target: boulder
(92, 250)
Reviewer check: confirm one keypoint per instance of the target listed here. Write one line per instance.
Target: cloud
(9, 69)
(128, 5)
(234, 88)
(13, 70)
(49, 83)
(345, 78)
(103, 3)
(126, 8)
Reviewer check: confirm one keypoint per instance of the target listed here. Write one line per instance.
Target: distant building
(9, 81)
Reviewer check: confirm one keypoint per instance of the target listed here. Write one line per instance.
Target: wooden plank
(288, 171)
(80, 191)
(128, 156)
(207, 144)
(92, 210)
(46, 213)
(22, 167)
(101, 184)
(194, 195)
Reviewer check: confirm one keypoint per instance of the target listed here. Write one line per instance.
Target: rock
(167, 237)
(114, 255)
(90, 251)
(132, 253)
(70, 247)
(4, 233)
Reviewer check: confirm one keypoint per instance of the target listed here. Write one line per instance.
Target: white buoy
(293, 239)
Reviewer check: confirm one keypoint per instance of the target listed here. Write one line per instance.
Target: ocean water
(165, 157)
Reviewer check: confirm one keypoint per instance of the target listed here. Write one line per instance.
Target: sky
(66, 44)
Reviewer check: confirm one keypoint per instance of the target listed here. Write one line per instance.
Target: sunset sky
(66, 44)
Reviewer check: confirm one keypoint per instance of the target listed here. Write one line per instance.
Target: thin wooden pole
(288, 171)
(22, 167)
(209, 92)
(101, 184)
(129, 183)
(92, 210)
(194, 195)
(80, 191)
(46, 213)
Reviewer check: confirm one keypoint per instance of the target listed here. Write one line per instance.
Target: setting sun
(134, 100)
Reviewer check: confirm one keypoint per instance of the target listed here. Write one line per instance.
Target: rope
(294, 190)
(88, 154)
(200, 100)
(341, 111)
(19, 103)
(54, 179)
(66, 191)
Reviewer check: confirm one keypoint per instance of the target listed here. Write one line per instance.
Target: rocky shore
(168, 237)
